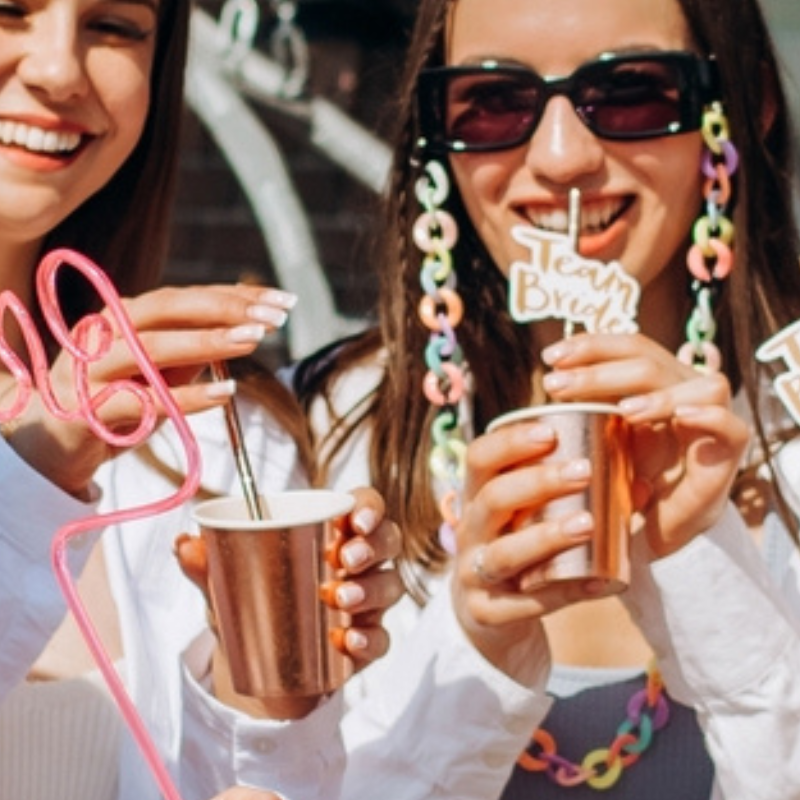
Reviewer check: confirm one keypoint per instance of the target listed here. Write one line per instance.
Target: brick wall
(355, 50)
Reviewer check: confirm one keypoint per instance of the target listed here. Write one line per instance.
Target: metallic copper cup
(598, 432)
(266, 580)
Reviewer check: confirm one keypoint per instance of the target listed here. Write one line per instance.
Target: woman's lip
(46, 123)
(39, 161)
(592, 244)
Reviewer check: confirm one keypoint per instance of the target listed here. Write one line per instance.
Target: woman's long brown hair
(762, 296)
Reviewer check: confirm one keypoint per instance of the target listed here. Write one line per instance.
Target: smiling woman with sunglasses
(667, 121)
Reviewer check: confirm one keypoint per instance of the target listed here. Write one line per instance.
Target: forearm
(437, 720)
(728, 645)
(222, 746)
(31, 604)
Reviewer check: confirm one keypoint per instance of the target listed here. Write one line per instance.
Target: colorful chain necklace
(710, 258)
(441, 310)
(647, 713)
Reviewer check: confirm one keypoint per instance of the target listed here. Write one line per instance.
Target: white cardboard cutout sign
(558, 283)
(786, 345)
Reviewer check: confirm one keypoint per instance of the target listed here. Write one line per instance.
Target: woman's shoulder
(340, 376)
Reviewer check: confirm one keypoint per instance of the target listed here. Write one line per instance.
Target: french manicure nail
(577, 470)
(555, 381)
(355, 553)
(246, 334)
(633, 405)
(221, 389)
(541, 433)
(268, 314)
(556, 352)
(350, 594)
(364, 520)
(578, 525)
(278, 297)
(356, 640)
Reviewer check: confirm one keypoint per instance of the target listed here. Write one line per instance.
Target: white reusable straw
(574, 233)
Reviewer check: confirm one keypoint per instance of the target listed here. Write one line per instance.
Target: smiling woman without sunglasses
(668, 118)
(90, 105)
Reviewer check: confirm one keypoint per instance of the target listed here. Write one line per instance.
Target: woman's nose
(53, 61)
(562, 148)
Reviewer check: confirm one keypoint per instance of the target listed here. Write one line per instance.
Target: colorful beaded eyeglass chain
(710, 258)
(647, 712)
(441, 310)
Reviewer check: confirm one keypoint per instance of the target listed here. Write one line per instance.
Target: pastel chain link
(710, 258)
(441, 310)
(647, 713)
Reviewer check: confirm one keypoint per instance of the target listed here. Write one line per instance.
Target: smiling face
(639, 198)
(74, 98)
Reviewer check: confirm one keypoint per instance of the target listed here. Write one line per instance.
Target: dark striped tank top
(675, 766)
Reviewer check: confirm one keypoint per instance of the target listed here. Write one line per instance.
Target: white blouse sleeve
(728, 644)
(221, 747)
(436, 719)
(32, 510)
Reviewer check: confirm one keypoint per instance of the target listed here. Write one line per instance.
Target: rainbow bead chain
(441, 310)
(647, 713)
(710, 258)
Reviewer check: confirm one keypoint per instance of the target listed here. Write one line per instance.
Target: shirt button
(265, 746)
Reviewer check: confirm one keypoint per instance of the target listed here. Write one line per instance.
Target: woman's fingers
(497, 607)
(208, 306)
(608, 367)
(505, 448)
(502, 502)
(193, 559)
(505, 558)
(244, 793)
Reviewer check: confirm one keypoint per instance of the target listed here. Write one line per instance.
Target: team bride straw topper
(86, 343)
(558, 283)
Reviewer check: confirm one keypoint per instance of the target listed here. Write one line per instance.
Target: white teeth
(593, 218)
(36, 139)
(556, 220)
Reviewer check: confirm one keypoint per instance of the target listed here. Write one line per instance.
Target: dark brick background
(356, 48)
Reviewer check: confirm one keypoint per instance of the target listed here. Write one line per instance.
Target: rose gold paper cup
(596, 431)
(265, 581)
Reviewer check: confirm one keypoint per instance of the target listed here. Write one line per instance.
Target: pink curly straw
(89, 341)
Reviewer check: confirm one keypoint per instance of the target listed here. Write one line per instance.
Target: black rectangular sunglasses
(495, 106)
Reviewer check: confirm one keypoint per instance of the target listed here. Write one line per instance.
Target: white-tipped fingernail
(355, 553)
(268, 314)
(364, 520)
(350, 594)
(578, 525)
(246, 334)
(578, 469)
(279, 297)
(356, 640)
(221, 389)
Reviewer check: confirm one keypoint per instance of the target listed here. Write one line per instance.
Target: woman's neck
(597, 633)
(18, 262)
